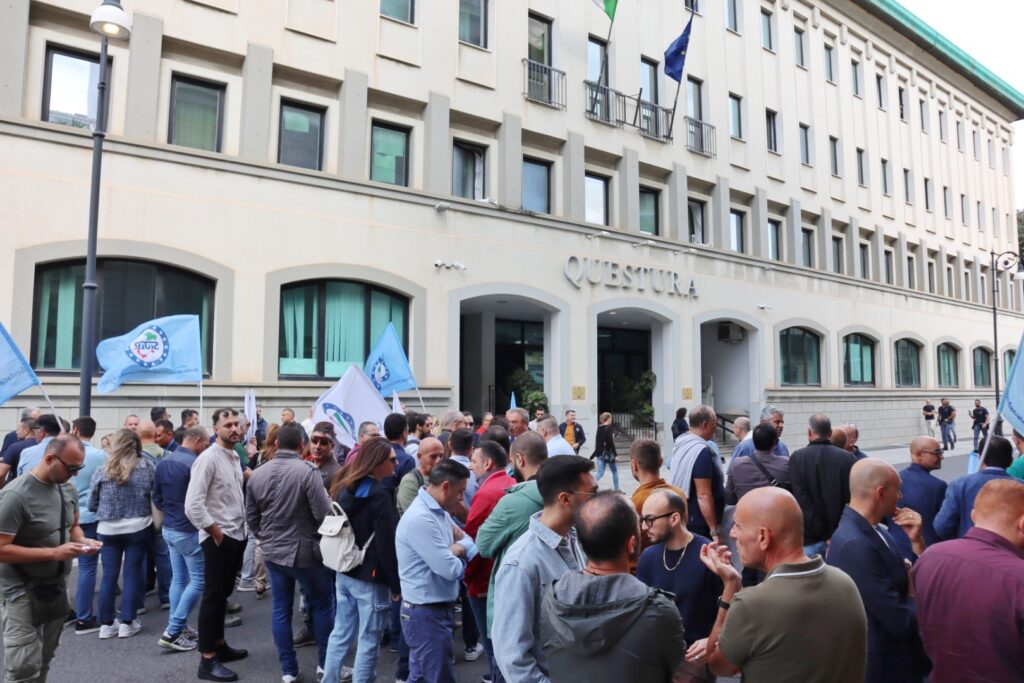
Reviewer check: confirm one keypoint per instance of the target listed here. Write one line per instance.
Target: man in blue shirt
(697, 472)
(396, 430)
(432, 555)
(85, 428)
(954, 517)
(170, 484)
(25, 438)
(921, 491)
(770, 415)
(27, 415)
(47, 427)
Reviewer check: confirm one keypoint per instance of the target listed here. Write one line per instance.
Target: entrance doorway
(623, 356)
(725, 352)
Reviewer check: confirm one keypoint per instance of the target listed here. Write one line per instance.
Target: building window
(931, 277)
(976, 140)
(774, 239)
(855, 78)
(943, 127)
(649, 211)
(596, 199)
(907, 363)
(908, 186)
(798, 43)
(695, 220)
(328, 326)
(807, 247)
(692, 6)
(981, 289)
(732, 15)
(1008, 362)
(473, 22)
(536, 185)
(403, 10)
(862, 168)
(833, 155)
(389, 154)
(948, 362)
(865, 260)
(880, 91)
(197, 113)
(886, 178)
(649, 80)
(911, 272)
(949, 281)
(694, 99)
(889, 267)
(928, 194)
(736, 237)
(901, 93)
(805, 144)
(468, 170)
(947, 202)
(130, 293)
(829, 63)
(539, 42)
(858, 360)
(922, 106)
(963, 209)
(799, 354)
(69, 88)
(837, 255)
(967, 286)
(767, 33)
(960, 136)
(736, 116)
(301, 136)
(770, 119)
(982, 368)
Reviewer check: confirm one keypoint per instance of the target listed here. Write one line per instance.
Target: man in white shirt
(547, 427)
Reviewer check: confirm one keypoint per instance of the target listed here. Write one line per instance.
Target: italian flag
(608, 7)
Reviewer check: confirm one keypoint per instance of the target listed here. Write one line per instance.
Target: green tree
(1020, 228)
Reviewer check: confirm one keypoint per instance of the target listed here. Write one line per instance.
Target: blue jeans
(402, 665)
(948, 435)
(86, 588)
(979, 431)
(315, 584)
(131, 549)
(361, 614)
(428, 631)
(601, 464)
(479, 607)
(186, 557)
(158, 558)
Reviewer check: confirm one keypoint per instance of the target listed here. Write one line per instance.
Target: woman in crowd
(485, 422)
(121, 499)
(680, 425)
(269, 446)
(604, 449)
(364, 593)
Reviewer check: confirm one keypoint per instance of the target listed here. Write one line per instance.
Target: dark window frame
(548, 165)
(657, 208)
(309, 108)
(221, 89)
(51, 50)
(865, 342)
(412, 14)
(807, 333)
(485, 36)
(397, 128)
(897, 365)
(607, 181)
(476, 147)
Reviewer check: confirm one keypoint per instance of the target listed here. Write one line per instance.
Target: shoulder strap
(419, 477)
(764, 470)
(63, 523)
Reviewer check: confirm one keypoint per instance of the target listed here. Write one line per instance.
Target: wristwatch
(723, 604)
(715, 533)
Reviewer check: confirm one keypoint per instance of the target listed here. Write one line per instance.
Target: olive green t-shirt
(30, 511)
(805, 622)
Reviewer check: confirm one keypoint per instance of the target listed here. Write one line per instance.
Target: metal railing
(604, 104)
(625, 424)
(700, 137)
(654, 121)
(543, 84)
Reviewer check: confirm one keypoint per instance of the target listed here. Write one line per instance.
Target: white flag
(396, 405)
(250, 413)
(349, 403)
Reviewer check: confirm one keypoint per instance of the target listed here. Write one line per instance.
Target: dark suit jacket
(820, 475)
(922, 492)
(895, 650)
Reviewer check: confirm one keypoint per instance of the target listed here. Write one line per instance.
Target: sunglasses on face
(72, 469)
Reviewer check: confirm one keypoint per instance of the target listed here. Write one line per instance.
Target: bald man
(977, 636)
(863, 548)
(921, 491)
(817, 607)
(147, 436)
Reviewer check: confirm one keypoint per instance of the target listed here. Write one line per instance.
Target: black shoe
(304, 637)
(226, 653)
(85, 627)
(213, 670)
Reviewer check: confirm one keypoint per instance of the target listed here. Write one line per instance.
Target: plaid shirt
(111, 501)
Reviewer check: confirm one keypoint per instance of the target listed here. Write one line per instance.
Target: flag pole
(201, 413)
(422, 404)
(60, 423)
(675, 103)
(988, 440)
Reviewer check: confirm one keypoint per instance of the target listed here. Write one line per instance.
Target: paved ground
(140, 660)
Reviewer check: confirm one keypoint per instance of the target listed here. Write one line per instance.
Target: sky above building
(989, 31)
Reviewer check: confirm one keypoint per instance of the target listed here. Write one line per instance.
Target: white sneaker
(109, 631)
(245, 586)
(129, 630)
(319, 674)
(347, 673)
(288, 678)
(473, 653)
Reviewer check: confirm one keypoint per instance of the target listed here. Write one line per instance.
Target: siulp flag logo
(165, 350)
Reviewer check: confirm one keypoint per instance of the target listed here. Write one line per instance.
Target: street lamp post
(1001, 262)
(110, 21)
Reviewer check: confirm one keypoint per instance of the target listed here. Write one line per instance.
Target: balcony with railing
(543, 84)
(604, 104)
(700, 137)
(653, 121)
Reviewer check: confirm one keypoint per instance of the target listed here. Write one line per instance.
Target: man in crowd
(537, 415)
(158, 413)
(572, 431)
(817, 607)
(488, 463)
(131, 423)
(39, 538)
(321, 448)
(970, 592)
(770, 415)
(420, 427)
(170, 486)
(763, 468)
(26, 438)
(367, 430)
(452, 420)
(921, 491)
(48, 426)
(547, 427)
(147, 436)
(287, 415)
(511, 516)
(954, 517)
(928, 413)
(158, 562)
(430, 453)
(26, 415)
(189, 418)
(741, 428)
(396, 431)
(979, 421)
(852, 437)
(261, 425)
(541, 555)
(865, 550)
(432, 555)
(947, 424)
(595, 620)
(518, 422)
(85, 587)
(285, 503)
(165, 436)
(820, 475)
(215, 506)
(695, 471)
(461, 447)
(673, 564)
(645, 462)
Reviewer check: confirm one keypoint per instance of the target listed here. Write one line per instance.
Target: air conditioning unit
(730, 332)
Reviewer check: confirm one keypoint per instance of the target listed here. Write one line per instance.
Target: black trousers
(221, 566)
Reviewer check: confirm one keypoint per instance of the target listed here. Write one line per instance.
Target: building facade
(812, 229)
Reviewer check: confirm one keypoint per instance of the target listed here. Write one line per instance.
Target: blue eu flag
(16, 375)
(387, 366)
(165, 350)
(675, 55)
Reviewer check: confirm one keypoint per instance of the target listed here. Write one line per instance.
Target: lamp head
(1019, 275)
(110, 20)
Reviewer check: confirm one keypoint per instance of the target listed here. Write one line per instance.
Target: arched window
(130, 293)
(858, 360)
(1008, 362)
(799, 352)
(329, 325)
(982, 367)
(907, 363)
(948, 361)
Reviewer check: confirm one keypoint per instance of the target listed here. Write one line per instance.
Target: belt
(433, 605)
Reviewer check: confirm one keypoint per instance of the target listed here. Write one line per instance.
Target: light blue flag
(16, 375)
(512, 402)
(1012, 405)
(165, 350)
(387, 366)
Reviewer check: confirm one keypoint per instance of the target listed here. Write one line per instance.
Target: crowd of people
(820, 564)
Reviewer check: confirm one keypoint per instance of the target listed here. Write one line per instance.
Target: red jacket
(478, 572)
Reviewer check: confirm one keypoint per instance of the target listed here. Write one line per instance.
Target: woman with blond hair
(121, 498)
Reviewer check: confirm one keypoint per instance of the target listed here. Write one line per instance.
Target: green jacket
(1017, 468)
(507, 522)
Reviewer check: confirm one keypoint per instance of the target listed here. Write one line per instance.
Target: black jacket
(679, 426)
(820, 475)
(371, 510)
(604, 444)
(581, 438)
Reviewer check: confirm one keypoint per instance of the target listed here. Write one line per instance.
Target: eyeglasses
(584, 493)
(651, 519)
(321, 441)
(936, 452)
(72, 469)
